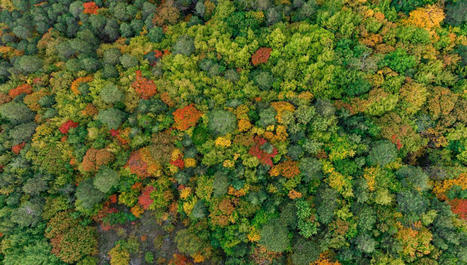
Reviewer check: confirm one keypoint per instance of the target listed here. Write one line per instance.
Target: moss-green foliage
(112, 118)
(106, 179)
(382, 153)
(16, 112)
(275, 236)
(221, 122)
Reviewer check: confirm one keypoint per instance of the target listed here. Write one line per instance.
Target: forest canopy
(302, 132)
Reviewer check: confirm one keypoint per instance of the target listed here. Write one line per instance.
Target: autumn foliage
(66, 126)
(90, 8)
(24, 88)
(145, 198)
(145, 88)
(186, 117)
(263, 156)
(261, 56)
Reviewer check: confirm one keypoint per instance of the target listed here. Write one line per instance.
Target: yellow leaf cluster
(428, 17)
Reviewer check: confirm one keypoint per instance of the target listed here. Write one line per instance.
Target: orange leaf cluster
(288, 169)
(137, 165)
(261, 56)
(17, 148)
(293, 194)
(24, 88)
(186, 117)
(75, 84)
(94, 158)
(428, 17)
(142, 164)
(90, 8)
(281, 107)
(137, 210)
(179, 259)
(459, 207)
(145, 88)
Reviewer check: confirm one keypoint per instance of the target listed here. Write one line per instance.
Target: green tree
(106, 179)
(112, 117)
(275, 236)
(16, 112)
(87, 197)
(382, 153)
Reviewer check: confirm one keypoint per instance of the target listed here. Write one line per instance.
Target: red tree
(264, 157)
(145, 88)
(261, 56)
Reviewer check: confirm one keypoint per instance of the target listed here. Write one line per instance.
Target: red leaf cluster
(90, 8)
(145, 198)
(179, 162)
(264, 157)
(145, 88)
(17, 148)
(66, 126)
(395, 140)
(186, 117)
(261, 56)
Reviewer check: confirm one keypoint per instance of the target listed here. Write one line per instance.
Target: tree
(413, 177)
(412, 204)
(105, 179)
(184, 45)
(221, 122)
(305, 252)
(366, 243)
(326, 204)
(189, 242)
(399, 61)
(22, 133)
(28, 214)
(87, 197)
(112, 117)
(382, 153)
(456, 13)
(28, 64)
(16, 112)
(112, 56)
(111, 94)
(35, 185)
(275, 236)
(71, 241)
